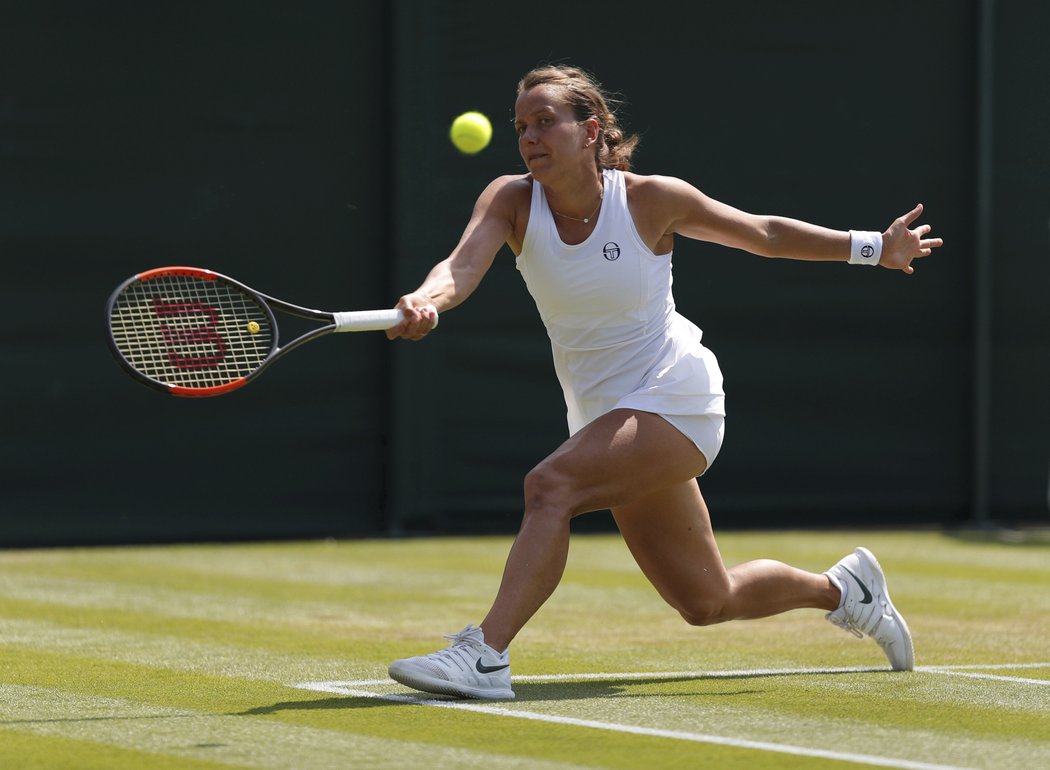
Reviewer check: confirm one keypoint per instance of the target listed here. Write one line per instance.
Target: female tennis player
(644, 397)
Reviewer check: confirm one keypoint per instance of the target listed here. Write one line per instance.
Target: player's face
(549, 136)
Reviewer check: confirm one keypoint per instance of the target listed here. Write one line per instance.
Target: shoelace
(846, 625)
(856, 629)
(462, 637)
(457, 651)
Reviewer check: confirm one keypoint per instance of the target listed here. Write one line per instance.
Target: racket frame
(333, 322)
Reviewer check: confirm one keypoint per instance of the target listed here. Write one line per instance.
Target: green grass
(186, 657)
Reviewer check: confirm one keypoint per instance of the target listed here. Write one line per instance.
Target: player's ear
(593, 131)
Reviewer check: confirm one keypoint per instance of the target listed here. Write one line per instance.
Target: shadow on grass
(539, 692)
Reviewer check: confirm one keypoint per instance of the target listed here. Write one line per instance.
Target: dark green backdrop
(303, 149)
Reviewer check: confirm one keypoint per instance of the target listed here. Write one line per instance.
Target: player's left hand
(901, 245)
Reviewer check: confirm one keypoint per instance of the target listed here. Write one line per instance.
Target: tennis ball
(471, 132)
(253, 327)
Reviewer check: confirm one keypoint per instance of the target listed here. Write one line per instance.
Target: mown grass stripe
(172, 652)
(21, 750)
(226, 738)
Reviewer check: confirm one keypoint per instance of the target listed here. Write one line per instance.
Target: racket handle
(368, 320)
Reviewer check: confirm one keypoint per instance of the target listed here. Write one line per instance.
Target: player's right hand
(420, 318)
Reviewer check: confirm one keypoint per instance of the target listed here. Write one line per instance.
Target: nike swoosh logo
(864, 588)
(483, 669)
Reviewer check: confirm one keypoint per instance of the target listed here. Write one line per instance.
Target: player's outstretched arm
(691, 213)
(456, 277)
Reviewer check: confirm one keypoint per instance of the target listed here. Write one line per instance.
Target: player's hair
(585, 95)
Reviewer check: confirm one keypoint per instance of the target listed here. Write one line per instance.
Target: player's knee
(548, 492)
(705, 611)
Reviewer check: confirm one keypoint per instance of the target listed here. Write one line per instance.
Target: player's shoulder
(656, 189)
(511, 183)
(508, 189)
(653, 184)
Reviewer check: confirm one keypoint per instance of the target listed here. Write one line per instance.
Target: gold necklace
(586, 219)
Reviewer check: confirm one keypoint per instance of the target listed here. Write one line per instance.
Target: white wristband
(864, 248)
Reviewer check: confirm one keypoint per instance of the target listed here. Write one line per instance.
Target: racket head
(190, 332)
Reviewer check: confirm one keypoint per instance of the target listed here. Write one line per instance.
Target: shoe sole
(909, 662)
(444, 687)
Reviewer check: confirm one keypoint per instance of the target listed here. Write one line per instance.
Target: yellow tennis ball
(471, 132)
(253, 327)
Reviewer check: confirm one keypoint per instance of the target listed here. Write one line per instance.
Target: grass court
(275, 656)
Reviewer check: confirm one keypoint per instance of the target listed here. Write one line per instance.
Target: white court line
(972, 675)
(969, 672)
(353, 688)
(958, 670)
(988, 666)
(729, 674)
(721, 740)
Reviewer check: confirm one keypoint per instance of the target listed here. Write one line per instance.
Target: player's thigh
(669, 534)
(622, 456)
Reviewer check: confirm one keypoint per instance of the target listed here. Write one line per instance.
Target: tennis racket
(192, 332)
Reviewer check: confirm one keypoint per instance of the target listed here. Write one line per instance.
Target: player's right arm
(455, 278)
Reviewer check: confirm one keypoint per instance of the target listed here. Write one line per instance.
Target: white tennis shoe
(866, 608)
(468, 668)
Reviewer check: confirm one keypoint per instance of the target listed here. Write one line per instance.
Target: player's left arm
(692, 214)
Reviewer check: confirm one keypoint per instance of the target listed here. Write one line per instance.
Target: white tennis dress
(616, 337)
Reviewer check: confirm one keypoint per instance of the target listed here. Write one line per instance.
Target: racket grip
(368, 320)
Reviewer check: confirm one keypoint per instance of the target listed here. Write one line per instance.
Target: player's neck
(576, 199)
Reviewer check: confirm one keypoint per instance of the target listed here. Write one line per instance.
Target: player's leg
(670, 536)
(622, 456)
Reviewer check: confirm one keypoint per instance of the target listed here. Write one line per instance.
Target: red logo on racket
(190, 346)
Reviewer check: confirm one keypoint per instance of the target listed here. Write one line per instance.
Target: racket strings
(191, 332)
